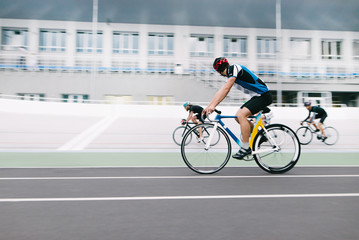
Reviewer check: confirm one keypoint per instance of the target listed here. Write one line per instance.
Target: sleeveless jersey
(246, 80)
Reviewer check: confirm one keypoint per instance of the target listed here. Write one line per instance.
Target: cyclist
(195, 113)
(316, 112)
(242, 78)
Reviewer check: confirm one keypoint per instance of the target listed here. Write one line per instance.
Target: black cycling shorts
(258, 103)
(322, 117)
(201, 117)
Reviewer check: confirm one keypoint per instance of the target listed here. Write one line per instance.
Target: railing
(120, 102)
(196, 67)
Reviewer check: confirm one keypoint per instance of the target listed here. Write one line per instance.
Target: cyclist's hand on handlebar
(208, 110)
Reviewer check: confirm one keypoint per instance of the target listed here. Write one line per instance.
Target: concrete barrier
(30, 125)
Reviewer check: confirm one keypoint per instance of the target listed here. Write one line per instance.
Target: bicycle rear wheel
(278, 149)
(178, 135)
(211, 160)
(332, 135)
(304, 135)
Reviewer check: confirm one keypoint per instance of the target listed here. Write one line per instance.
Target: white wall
(29, 125)
(151, 111)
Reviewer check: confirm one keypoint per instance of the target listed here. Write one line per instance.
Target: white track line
(180, 177)
(149, 166)
(84, 138)
(320, 195)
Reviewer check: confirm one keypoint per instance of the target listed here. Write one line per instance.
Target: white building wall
(182, 58)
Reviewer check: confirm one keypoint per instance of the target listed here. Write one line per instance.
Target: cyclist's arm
(189, 116)
(305, 119)
(219, 96)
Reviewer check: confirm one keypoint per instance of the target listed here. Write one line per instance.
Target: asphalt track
(84, 201)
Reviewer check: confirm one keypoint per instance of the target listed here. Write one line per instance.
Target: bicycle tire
(177, 135)
(209, 161)
(332, 135)
(277, 161)
(305, 135)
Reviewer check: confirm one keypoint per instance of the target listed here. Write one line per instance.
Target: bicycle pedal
(248, 158)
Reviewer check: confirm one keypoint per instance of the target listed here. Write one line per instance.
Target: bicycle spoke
(285, 149)
(332, 135)
(211, 160)
(305, 135)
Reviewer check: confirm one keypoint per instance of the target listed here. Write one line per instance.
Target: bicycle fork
(208, 144)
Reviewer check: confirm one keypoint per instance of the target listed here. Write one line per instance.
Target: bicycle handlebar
(217, 111)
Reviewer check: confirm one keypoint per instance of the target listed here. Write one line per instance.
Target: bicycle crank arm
(266, 150)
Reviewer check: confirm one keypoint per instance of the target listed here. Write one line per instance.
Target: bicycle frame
(311, 127)
(258, 123)
(187, 127)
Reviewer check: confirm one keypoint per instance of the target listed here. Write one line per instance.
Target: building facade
(171, 63)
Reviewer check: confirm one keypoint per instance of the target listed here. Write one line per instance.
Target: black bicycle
(305, 134)
(181, 131)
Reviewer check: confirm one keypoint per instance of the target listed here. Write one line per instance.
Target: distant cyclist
(316, 112)
(242, 78)
(195, 113)
(266, 118)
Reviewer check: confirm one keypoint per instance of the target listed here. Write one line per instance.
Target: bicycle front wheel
(277, 150)
(332, 135)
(304, 135)
(178, 135)
(205, 160)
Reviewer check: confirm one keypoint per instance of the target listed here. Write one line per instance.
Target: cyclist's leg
(194, 119)
(320, 125)
(246, 126)
(253, 106)
(242, 118)
(315, 125)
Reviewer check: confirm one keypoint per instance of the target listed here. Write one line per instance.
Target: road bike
(275, 148)
(305, 134)
(181, 131)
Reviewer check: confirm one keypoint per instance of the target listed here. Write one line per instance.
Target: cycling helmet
(220, 64)
(307, 104)
(185, 104)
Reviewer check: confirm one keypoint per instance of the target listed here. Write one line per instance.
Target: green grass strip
(93, 159)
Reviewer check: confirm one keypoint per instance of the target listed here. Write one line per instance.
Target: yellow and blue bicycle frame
(258, 123)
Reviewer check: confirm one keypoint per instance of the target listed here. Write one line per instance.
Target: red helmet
(220, 64)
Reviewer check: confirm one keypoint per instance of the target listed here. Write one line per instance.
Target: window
(201, 46)
(119, 99)
(160, 44)
(31, 96)
(84, 42)
(300, 48)
(125, 43)
(356, 49)
(266, 47)
(13, 38)
(52, 40)
(76, 98)
(160, 100)
(331, 49)
(235, 46)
